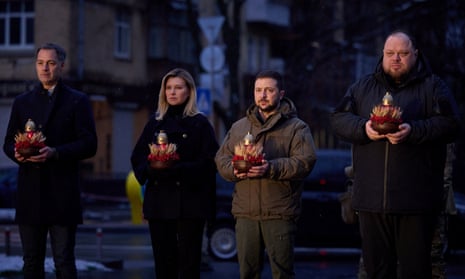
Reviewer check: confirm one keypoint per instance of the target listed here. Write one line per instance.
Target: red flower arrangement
(30, 142)
(247, 154)
(386, 118)
(162, 154)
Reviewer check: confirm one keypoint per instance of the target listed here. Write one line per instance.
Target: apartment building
(118, 51)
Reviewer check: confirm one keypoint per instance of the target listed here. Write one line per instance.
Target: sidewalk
(126, 249)
(108, 245)
(123, 251)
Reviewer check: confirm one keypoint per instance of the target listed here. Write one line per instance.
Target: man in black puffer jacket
(399, 175)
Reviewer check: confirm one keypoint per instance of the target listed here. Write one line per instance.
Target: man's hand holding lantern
(248, 160)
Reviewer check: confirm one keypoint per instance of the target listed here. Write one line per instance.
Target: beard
(396, 76)
(270, 107)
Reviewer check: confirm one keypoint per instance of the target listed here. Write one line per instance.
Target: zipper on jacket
(385, 176)
(260, 203)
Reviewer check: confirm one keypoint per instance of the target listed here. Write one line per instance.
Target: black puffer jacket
(406, 177)
(188, 189)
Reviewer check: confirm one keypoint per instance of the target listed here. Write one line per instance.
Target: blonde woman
(180, 198)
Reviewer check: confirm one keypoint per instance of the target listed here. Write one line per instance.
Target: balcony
(267, 12)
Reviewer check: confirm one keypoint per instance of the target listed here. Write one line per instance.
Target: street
(122, 250)
(126, 249)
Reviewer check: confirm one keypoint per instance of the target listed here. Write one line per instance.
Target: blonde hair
(191, 106)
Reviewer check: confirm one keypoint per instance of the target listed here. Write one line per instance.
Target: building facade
(119, 50)
(117, 53)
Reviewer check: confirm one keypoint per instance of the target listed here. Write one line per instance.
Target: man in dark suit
(48, 198)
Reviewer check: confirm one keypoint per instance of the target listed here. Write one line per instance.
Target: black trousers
(34, 244)
(397, 246)
(177, 247)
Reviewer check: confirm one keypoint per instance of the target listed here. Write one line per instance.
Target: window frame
(123, 34)
(170, 37)
(26, 18)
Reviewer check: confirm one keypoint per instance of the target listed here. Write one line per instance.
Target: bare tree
(231, 35)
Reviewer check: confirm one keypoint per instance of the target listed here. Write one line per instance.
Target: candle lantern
(386, 118)
(162, 153)
(247, 154)
(29, 142)
(248, 139)
(162, 138)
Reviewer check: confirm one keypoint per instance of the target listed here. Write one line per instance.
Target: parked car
(95, 192)
(320, 224)
(8, 176)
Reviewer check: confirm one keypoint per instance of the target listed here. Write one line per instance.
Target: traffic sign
(204, 100)
(212, 58)
(211, 26)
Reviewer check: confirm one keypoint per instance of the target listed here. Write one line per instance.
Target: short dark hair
(61, 53)
(274, 75)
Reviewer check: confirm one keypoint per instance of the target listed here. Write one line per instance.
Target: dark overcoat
(48, 193)
(187, 190)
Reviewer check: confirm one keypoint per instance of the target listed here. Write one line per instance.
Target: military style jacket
(289, 149)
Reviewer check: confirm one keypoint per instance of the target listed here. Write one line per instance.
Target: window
(156, 42)
(257, 53)
(122, 34)
(170, 36)
(16, 25)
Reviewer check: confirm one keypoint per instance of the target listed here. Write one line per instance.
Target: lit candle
(29, 128)
(162, 139)
(248, 139)
(387, 99)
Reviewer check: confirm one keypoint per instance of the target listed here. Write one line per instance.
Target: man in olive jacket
(267, 198)
(48, 198)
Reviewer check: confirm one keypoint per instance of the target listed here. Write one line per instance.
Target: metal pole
(7, 241)
(80, 40)
(99, 235)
